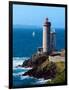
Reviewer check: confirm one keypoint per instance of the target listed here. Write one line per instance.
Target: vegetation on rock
(46, 70)
(60, 74)
(43, 68)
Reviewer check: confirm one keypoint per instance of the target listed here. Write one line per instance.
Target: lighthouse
(46, 36)
(52, 40)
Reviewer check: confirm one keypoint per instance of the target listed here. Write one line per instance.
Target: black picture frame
(11, 39)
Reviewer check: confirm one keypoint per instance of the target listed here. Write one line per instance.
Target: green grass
(60, 66)
(60, 75)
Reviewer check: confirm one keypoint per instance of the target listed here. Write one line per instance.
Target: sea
(26, 41)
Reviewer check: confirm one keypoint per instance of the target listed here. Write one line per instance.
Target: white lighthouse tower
(46, 36)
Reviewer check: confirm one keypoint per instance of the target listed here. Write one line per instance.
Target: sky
(35, 15)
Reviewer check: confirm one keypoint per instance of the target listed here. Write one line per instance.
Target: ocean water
(26, 40)
(25, 44)
(24, 81)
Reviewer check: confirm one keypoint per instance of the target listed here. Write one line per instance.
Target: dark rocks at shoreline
(34, 62)
(27, 63)
(41, 67)
(48, 72)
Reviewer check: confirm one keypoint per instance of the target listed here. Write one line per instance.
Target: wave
(25, 77)
(20, 71)
(20, 58)
(22, 68)
(19, 61)
(18, 74)
(35, 81)
(42, 81)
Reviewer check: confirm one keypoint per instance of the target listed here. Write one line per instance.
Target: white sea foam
(23, 68)
(36, 81)
(18, 61)
(18, 74)
(42, 81)
(24, 77)
(20, 58)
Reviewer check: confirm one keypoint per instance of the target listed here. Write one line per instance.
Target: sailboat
(33, 34)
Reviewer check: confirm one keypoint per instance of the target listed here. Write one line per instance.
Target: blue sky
(35, 15)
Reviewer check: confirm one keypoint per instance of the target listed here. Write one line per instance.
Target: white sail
(33, 34)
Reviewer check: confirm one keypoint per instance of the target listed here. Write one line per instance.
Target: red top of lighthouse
(47, 23)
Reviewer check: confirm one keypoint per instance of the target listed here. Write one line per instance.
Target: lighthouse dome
(47, 23)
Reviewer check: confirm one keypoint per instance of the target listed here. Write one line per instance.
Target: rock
(47, 72)
(18, 66)
(34, 62)
(41, 67)
(27, 63)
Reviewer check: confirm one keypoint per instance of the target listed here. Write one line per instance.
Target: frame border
(11, 42)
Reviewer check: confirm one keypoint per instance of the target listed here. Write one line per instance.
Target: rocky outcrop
(41, 67)
(27, 63)
(34, 62)
(48, 71)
